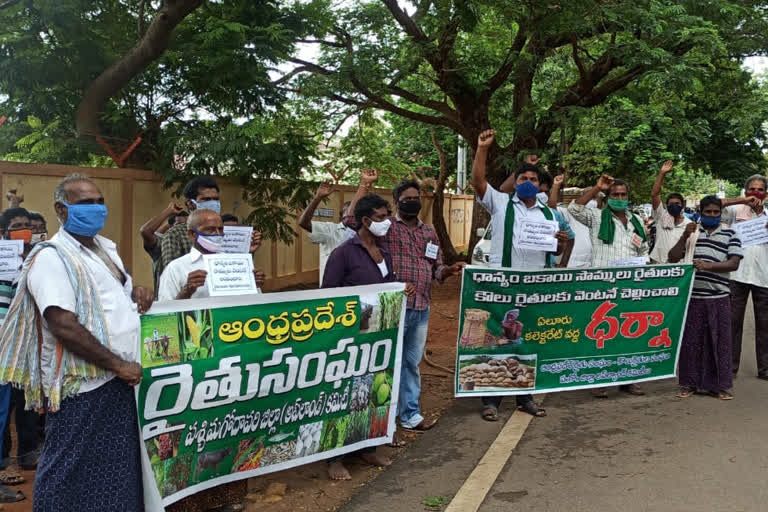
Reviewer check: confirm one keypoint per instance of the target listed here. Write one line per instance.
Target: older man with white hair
(184, 277)
(75, 295)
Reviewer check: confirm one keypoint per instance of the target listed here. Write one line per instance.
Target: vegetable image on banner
(233, 390)
(526, 332)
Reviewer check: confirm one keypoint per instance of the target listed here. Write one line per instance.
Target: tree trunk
(450, 256)
(151, 46)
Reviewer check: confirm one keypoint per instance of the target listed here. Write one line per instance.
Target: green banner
(234, 389)
(556, 330)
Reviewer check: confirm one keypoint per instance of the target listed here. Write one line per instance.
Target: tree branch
(438, 106)
(335, 44)
(147, 50)
(8, 3)
(142, 23)
(509, 63)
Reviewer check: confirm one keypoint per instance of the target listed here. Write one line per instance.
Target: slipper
(423, 426)
(684, 392)
(724, 395)
(532, 409)
(396, 442)
(11, 477)
(10, 496)
(490, 413)
(599, 392)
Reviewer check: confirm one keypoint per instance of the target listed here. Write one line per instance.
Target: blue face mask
(213, 204)
(85, 219)
(710, 222)
(675, 209)
(526, 190)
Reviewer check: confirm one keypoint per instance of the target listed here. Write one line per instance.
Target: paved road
(636, 454)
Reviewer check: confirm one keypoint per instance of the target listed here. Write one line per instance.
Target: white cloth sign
(637, 261)
(537, 235)
(10, 259)
(237, 240)
(230, 274)
(752, 232)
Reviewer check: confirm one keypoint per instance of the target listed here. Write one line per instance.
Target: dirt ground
(308, 487)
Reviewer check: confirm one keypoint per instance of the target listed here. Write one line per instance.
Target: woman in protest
(705, 355)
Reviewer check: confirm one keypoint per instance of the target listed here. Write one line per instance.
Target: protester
(580, 255)
(545, 192)
(184, 278)
(669, 220)
(617, 234)
(202, 192)
(506, 213)
(416, 255)
(39, 229)
(361, 260)
(78, 284)
(329, 235)
(705, 355)
(180, 218)
(151, 233)
(751, 276)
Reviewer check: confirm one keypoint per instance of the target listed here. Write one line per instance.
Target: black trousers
(739, 297)
(27, 426)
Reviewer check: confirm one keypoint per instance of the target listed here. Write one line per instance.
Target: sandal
(724, 395)
(10, 496)
(599, 392)
(396, 442)
(685, 392)
(11, 477)
(423, 426)
(490, 413)
(531, 408)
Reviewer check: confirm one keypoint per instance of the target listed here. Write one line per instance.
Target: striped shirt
(626, 242)
(7, 292)
(717, 247)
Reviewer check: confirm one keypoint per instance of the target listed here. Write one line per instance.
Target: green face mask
(617, 205)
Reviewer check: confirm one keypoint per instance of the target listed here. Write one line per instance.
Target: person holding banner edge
(705, 355)
(363, 259)
(507, 211)
(617, 234)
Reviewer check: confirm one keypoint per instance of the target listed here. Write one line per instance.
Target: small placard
(10, 259)
(237, 240)
(230, 274)
(752, 232)
(536, 235)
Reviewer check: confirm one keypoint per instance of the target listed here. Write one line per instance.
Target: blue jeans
(414, 341)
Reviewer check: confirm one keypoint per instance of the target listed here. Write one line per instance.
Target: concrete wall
(133, 196)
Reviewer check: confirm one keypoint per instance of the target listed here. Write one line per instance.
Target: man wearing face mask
(751, 276)
(507, 211)
(39, 228)
(75, 295)
(670, 221)
(184, 278)
(361, 260)
(202, 192)
(617, 234)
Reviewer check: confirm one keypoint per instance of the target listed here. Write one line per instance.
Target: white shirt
(496, 203)
(49, 285)
(581, 254)
(175, 276)
(623, 246)
(754, 267)
(668, 234)
(329, 236)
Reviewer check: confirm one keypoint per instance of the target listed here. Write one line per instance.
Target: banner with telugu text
(556, 330)
(236, 387)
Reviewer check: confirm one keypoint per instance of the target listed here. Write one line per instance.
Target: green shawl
(608, 228)
(509, 229)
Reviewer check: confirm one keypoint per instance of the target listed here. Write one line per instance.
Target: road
(630, 454)
(641, 454)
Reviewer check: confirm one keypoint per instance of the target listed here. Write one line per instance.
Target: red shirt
(408, 247)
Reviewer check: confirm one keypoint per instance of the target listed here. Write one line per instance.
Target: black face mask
(409, 209)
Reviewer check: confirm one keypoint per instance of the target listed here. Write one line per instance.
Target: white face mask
(379, 228)
(542, 196)
(37, 237)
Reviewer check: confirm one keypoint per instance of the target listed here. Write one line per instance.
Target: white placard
(230, 274)
(237, 239)
(637, 261)
(10, 259)
(537, 235)
(752, 232)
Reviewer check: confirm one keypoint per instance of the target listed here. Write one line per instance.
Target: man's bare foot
(374, 459)
(337, 471)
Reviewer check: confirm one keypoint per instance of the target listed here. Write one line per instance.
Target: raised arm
(479, 182)
(603, 184)
(305, 220)
(554, 194)
(368, 178)
(147, 231)
(656, 192)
